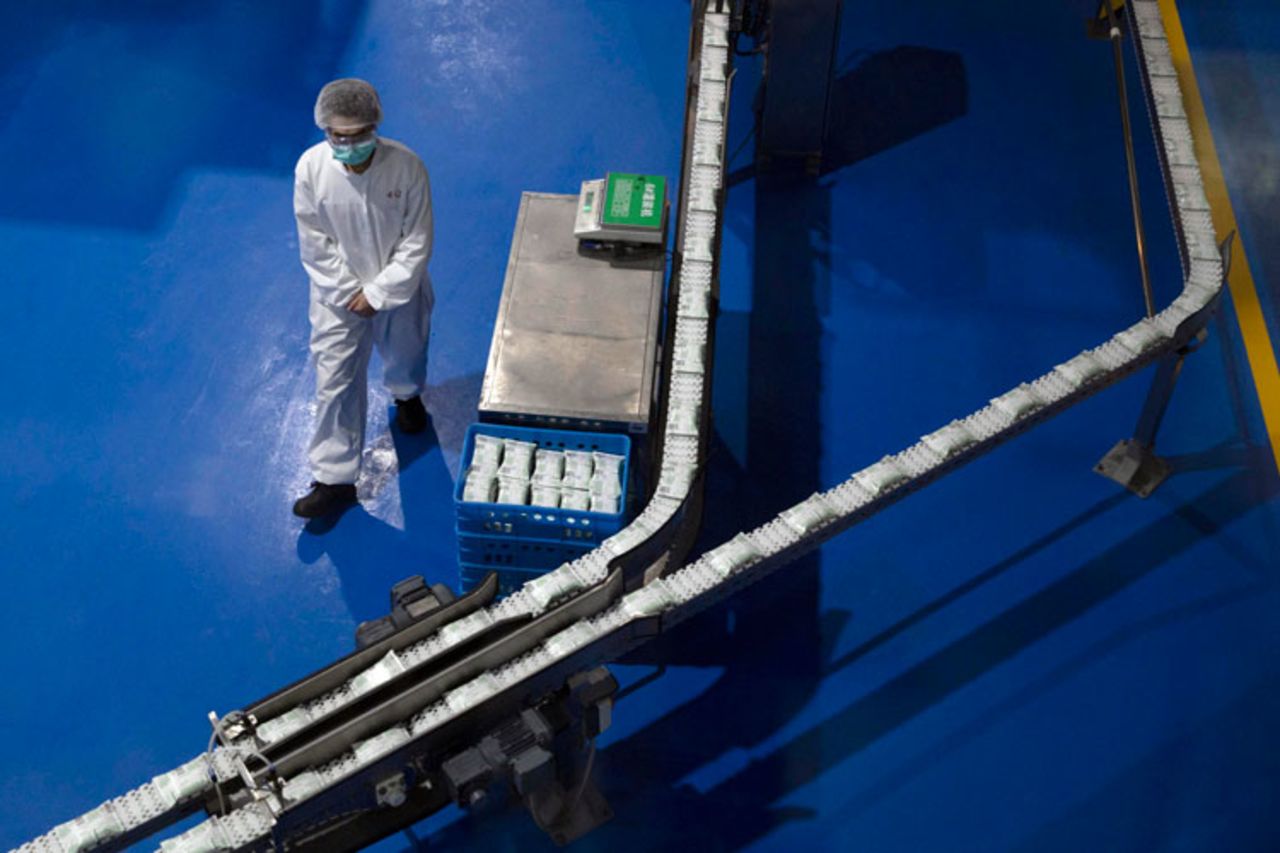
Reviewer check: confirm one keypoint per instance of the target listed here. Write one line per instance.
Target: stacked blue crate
(518, 541)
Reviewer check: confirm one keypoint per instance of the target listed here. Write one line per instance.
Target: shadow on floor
(371, 555)
(740, 810)
(641, 774)
(1228, 745)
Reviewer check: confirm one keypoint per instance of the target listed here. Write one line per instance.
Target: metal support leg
(1133, 462)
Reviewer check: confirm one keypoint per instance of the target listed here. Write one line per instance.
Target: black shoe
(411, 415)
(324, 499)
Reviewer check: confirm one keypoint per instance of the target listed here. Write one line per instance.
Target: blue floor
(1021, 657)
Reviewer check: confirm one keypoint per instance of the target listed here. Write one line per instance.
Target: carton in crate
(496, 520)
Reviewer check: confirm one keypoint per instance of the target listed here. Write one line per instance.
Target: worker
(363, 205)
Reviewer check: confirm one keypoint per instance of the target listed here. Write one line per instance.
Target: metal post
(1133, 462)
(1116, 35)
(1167, 373)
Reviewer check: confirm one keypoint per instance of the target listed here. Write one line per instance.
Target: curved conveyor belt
(577, 615)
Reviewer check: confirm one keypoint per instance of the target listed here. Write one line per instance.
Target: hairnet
(348, 100)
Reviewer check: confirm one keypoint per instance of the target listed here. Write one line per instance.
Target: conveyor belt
(489, 660)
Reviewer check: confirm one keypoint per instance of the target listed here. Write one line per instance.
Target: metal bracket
(567, 814)
(1133, 462)
(1098, 27)
(392, 791)
(1135, 466)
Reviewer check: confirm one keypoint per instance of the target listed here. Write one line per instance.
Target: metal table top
(576, 338)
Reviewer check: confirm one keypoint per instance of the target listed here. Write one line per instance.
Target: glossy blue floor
(1021, 657)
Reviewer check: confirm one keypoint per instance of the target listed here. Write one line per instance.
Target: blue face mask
(354, 155)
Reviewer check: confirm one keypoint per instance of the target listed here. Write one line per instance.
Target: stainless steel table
(576, 339)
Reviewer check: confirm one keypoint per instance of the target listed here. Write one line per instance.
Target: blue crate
(518, 553)
(515, 521)
(509, 580)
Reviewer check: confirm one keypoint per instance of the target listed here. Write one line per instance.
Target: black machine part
(543, 756)
(800, 44)
(411, 601)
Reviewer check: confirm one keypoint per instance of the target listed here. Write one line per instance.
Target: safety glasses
(357, 137)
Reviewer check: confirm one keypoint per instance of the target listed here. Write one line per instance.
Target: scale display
(622, 208)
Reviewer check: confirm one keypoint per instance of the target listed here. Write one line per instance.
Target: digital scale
(622, 208)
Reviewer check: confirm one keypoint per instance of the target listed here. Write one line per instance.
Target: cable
(582, 784)
(213, 776)
(743, 144)
(218, 727)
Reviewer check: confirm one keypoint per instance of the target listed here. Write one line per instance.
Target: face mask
(354, 155)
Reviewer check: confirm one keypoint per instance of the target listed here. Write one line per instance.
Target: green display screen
(634, 201)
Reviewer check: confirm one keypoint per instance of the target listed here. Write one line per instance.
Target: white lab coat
(370, 231)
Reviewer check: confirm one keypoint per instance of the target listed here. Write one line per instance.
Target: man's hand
(360, 305)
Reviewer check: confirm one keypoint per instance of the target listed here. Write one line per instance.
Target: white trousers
(341, 343)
